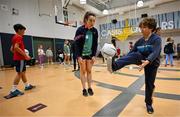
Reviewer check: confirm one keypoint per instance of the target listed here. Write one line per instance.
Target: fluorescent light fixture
(82, 1)
(105, 12)
(140, 3)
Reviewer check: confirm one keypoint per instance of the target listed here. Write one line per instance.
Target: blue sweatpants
(150, 72)
(131, 58)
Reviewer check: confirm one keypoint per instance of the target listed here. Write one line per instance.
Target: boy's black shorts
(20, 65)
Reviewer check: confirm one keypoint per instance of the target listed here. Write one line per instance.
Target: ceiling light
(82, 1)
(105, 12)
(140, 3)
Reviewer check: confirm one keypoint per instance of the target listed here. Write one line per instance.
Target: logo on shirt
(145, 48)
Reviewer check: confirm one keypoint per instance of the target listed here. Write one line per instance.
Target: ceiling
(109, 4)
(115, 6)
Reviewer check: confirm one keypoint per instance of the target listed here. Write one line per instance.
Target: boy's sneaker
(90, 91)
(150, 109)
(14, 94)
(109, 64)
(85, 92)
(29, 87)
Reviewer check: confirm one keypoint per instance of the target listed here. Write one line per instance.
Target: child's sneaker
(109, 64)
(85, 92)
(14, 94)
(29, 87)
(90, 91)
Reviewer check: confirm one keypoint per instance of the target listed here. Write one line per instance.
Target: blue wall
(6, 45)
(30, 44)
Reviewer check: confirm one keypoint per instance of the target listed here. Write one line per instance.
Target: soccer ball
(108, 50)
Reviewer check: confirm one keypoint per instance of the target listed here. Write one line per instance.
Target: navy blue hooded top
(150, 48)
(80, 40)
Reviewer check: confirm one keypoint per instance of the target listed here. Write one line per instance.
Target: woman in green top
(86, 39)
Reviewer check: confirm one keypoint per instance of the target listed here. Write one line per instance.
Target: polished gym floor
(118, 94)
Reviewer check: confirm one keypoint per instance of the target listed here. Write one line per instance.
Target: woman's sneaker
(85, 92)
(29, 87)
(90, 91)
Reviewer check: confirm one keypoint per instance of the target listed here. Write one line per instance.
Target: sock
(26, 84)
(14, 87)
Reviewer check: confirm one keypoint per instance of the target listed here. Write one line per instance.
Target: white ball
(108, 50)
